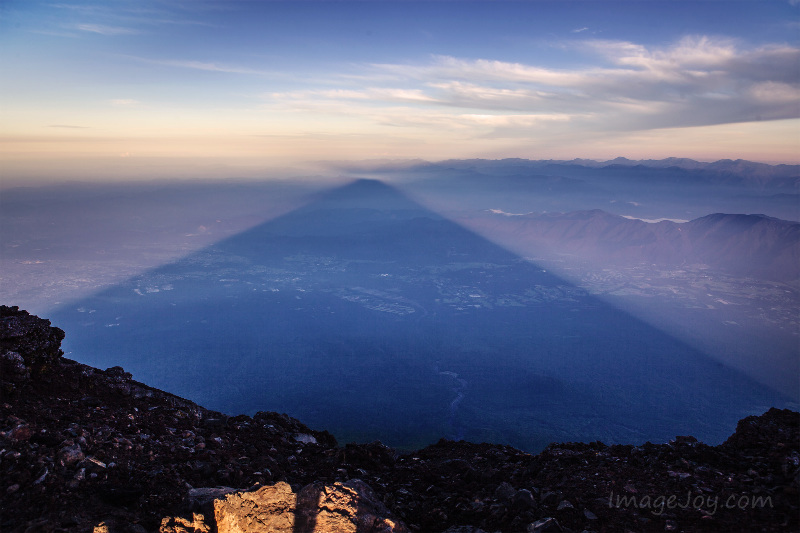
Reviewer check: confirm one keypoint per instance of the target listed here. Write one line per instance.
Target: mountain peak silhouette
(364, 193)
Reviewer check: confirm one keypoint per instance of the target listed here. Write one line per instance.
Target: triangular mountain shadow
(365, 314)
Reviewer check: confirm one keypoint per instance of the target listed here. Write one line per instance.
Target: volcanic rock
(83, 449)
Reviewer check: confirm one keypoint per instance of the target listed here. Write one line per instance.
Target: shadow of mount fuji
(367, 315)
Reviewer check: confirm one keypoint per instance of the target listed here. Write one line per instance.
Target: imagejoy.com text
(702, 502)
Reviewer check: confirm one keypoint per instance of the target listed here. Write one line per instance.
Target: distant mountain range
(675, 188)
(738, 167)
(725, 170)
(746, 245)
(636, 175)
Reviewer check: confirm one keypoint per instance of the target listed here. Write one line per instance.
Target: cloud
(695, 81)
(386, 95)
(579, 30)
(629, 88)
(105, 30)
(463, 121)
(202, 65)
(419, 115)
(501, 212)
(55, 33)
(134, 15)
(69, 126)
(482, 70)
(75, 7)
(468, 95)
(656, 220)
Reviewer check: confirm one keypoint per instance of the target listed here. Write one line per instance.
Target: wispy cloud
(74, 7)
(579, 30)
(486, 124)
(55, 33)
(105, 30)
(385, 95)
(68, 126)
(480, 70)
(202, 65)
(133, 14)
(696, 81)
(630, 87)
(116, 19)
(421, 115)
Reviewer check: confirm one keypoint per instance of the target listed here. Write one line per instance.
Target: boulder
(349, 507)
(178, 524)
(29, 336)
(270, 509)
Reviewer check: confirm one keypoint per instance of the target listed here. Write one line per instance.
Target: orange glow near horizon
(79, 155)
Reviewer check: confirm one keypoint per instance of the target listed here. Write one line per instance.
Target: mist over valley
(509, 301)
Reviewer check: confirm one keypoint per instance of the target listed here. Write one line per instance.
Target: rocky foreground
(83, 449)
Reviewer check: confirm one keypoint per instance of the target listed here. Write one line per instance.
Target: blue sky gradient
(248, 84)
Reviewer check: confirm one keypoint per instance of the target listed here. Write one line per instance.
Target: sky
(152, 88)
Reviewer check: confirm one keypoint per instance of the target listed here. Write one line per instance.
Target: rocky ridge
(83, 449)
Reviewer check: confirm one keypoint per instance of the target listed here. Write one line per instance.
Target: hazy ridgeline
(381, 314)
